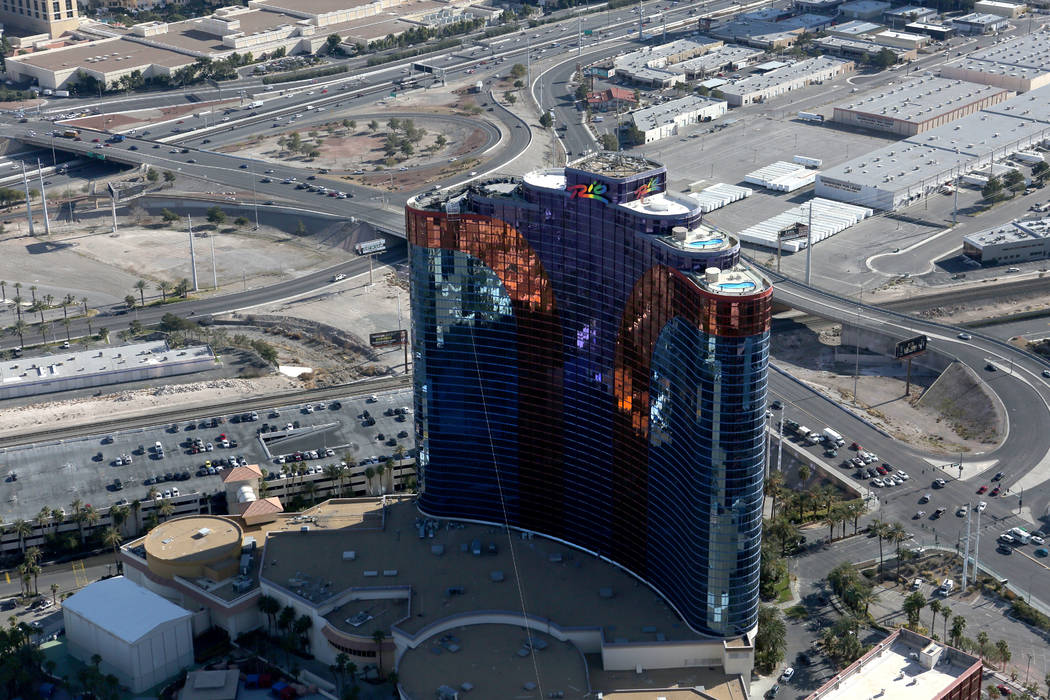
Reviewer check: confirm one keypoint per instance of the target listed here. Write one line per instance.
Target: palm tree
(54, 593)
(83, 300)
(3, 290)
(879, 528)
(774, 487)
(136, 509)
(935, 608)
(897, 535)
(18, 305)
(77, 506)
(982, 644)
(378, 636)
(334, 472)
(1002, 651)
(44, 328)
(67, 301)
(310, 489)
(152, 493)
(164, 287)
(166, 508)
(65, 324)
(804, 473)
(20, 329)
(118, 515)
(141, 286)
(958, 627)
(269, 606)
(32, 291)
(91, 516)
(111, 538)
(23, 530)
(43, 519)
(832, 519)
(301, 628)
(946, 613)
(369, 473)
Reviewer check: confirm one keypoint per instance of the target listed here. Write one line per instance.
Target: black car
(334, 406)
(243, 166)
(311, 177)
(772, 692)
(938, 513)
(133, 147)
(1004, 549)
(168, 476)
(776, 405)
(998, 476)
(150, 480)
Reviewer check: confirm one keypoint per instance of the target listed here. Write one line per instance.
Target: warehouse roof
(665, 113)
(1032, 229)
(856, 27)
(122, 608)
(837, 43)
(719, 58)
(911, 11)
(85, 363)
(979, 18)
(105, 56)
(955, 146)
(794, 71)
(1028, 51)
(921, 99)
(865, 6)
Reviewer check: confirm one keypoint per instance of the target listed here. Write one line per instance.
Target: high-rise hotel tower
(591, 364)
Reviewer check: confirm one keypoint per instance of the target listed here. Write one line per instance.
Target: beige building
(53, 17)
(1002, 9)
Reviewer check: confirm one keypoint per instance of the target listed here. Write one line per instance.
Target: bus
(377, 245)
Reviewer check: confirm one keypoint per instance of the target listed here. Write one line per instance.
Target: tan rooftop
(245, 473)
(263, 506)
(494, 661)
(570, 587)
(672, 684)
(105, 56)
(193, 539)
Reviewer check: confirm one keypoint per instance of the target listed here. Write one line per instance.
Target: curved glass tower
(591, 365)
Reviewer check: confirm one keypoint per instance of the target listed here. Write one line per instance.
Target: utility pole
(255, 196)
(955, 206)
(640, 11)
(214, 270)
(966, 551)
(113, 206)
(579, 37)
(780, 444)
(29, 208)
(976, 546)
(856, 364)
(193, 258)
(43, 197)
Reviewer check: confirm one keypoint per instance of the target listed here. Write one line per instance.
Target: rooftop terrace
(456, 569)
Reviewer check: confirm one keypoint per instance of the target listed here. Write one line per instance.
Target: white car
(903, 474)
(877, 483)
(981, 506)
(916, 584)
(787, 674)
(1036, 539)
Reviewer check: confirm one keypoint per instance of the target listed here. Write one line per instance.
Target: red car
(882, 470)
(995, 492)
(222, 436)
(982, 489)
(1004, 689)
(855, 446)
(94, 141)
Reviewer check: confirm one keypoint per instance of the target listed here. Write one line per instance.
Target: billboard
(387, 339)
(911, 346)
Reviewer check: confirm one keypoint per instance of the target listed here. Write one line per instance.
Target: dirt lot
(815, 357)
(344, 149)
(145, 117)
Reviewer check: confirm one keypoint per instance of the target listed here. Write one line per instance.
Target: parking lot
(97, 469)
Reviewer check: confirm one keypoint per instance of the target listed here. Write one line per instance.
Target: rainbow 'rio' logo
(595, 190)
(646, 188)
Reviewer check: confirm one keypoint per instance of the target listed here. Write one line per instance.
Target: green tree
(129, 301)
(518, 70)
(168, 216)
(546, 120)
(111, 538)
(1014, 181)
(958, 627)
(269, 606)
(332, 44)
(912, 607)
(509, 97)
(581, 93)
(216, 216)
(993, 189)
(152, 175)
(141, 286)
(771, 638)
(609, 142)
(241, 222)
(884, 59)
(169, 176)
(935, 609)
(373, 126)
(1002, 652)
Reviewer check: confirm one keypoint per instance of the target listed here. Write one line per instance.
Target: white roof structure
(719, 58)
(668, 112)
(921, 99)
(829, 218)
(122, 608)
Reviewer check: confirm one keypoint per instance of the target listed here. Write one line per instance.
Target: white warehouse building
(761, 88)
(142, 638)
(663, 120)
(898, 174)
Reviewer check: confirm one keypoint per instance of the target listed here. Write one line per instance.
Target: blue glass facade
(586, 371)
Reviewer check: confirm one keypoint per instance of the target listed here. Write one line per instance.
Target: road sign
(386, 339)
(587, 32)
(910, 347)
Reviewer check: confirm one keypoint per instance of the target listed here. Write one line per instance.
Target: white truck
(947, 587)
(1019, 534)
(808, 435)
(833, 438)
(255, 105)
